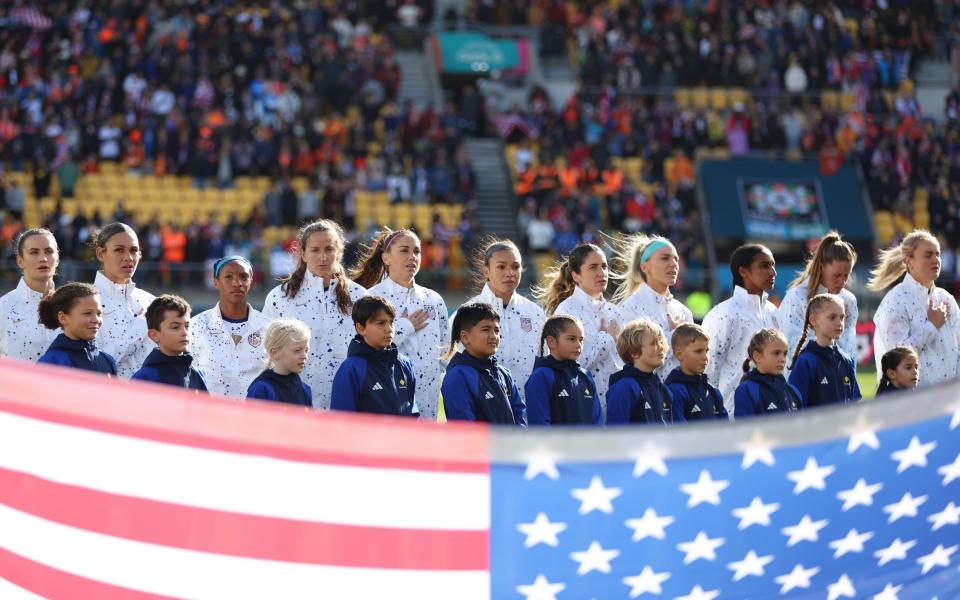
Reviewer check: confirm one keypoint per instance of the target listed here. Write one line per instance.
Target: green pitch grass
(867, 380)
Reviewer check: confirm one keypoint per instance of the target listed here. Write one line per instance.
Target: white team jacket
(901, 319)
(21, 334)
(794, 307)
(424, 348)
(230, 367)
(521, 322)
(647, 303)
(730, 326)
(123, 334)
(599, 348)
(332, 330)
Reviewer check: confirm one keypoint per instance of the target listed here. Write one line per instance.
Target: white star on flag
(843, 587)
(750, 565)
(861, 494)
(541, 589)
(705, 489)
(698, 593)
(594, 558)
(806, 530)
(757, 449)
(757, 513)
(700, 547)
(650, 458)
(948, 516)
(895, 551)
(649, 525)
(798, 578)
(596, 497)
(862, 433)
(541, 531)
(951, 471)
(853, 542)
(906, 507)
(955, 420)
(812, 476)
(647, 582)
(889, 592)
(940, 557)
(542, 462)
(915, 454)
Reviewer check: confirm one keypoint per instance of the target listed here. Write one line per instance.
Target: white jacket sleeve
(894, 328)
(848, 341)
(718, 326)
(597, 347)
(790, 318)
(402, 330)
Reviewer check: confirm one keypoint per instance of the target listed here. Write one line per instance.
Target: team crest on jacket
(254, 339)
(431, 311)
(525, 324)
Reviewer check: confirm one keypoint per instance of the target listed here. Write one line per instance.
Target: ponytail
(891, 266)
(62, 301)
(832, 248)
(370, 270)
(560, 277)
(291, 284)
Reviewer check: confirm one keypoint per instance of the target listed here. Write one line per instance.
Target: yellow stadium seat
(402, 215)
(700, 97)
(719, 98)
(847, 102)
(829, 100)
(682, 97)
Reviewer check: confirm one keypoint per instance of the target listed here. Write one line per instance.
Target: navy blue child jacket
(78, 354)
(171, 370)
(476, 389)
(288, 389)
(374, 381)
(636, 396)
(825, 375)
(760, 394)
(560, 392)
(694, 395)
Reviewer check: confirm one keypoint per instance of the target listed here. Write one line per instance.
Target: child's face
(694, 357)
(829, 320)
(377, 332)
(173, 337)
(907, 373)
(84, 319)
(773, 358)
(292, 357)
(568, 344)
(653, 351)
(483, 339)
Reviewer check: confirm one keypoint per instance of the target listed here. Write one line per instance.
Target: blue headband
(226, 260)
(651, 248)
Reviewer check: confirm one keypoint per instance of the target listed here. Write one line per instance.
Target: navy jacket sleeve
(261, 391)
(804, 375)
(309, 393)
(201, 381)
(723, 408)
(620, 400)
(803, 401)
(54, 357)
(145, 374)
(743, 404)
(678, 415)
(112, 362)
(856, 385)
(347, 385)
(680, 396)
(538, 388)
(597, 409)
(458, 393)
(517, 405)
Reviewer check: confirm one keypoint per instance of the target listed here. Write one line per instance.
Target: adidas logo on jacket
(636, 396)
(478, 389)
(560, 392)
(374, 381)
(825, 375)
(759, 394)
(695, 396)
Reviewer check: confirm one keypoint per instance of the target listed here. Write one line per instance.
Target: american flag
(113, 489)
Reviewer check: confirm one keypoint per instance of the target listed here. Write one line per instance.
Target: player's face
(694, 357)
(907, 373)
(234, 282)
(402, 258)
(662, 269)
(83, 321)
(120, 256)
(322, 254)
(568, 345)
(483, 339)
(924, 263)
(593, 275)
(773, 359)
(834, 276)
(503, 271)
(40, 258)
(377, 332)
(292, 357)
(762, 273)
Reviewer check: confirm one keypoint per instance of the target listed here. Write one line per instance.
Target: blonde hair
(891, 266)
(759, 341)
(630, 340)
(560, 277)
(816, 304)
(832, 249)
(686, 334)
(281, 332)
(627, 251)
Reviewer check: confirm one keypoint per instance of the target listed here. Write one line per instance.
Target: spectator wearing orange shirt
(173, 240)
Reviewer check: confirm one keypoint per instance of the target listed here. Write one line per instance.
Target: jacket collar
(312, 282)
(585, 299)
(745, 297)
(156, 358)
(465, 358)
(915, 288)
(487, 296)
(648, 292)
(395, 288)
(216, 322)
(359, 347)
(567, 366)
(27, 300)
(124, 290)
(678, 376)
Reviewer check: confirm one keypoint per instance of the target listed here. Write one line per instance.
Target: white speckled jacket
(332, 329)
(647, 303)
(124, 332)
(229, 366)
(424, 348)
(21, 334)
(794, 307)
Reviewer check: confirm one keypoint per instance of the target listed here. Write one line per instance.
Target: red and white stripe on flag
(114, 489)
